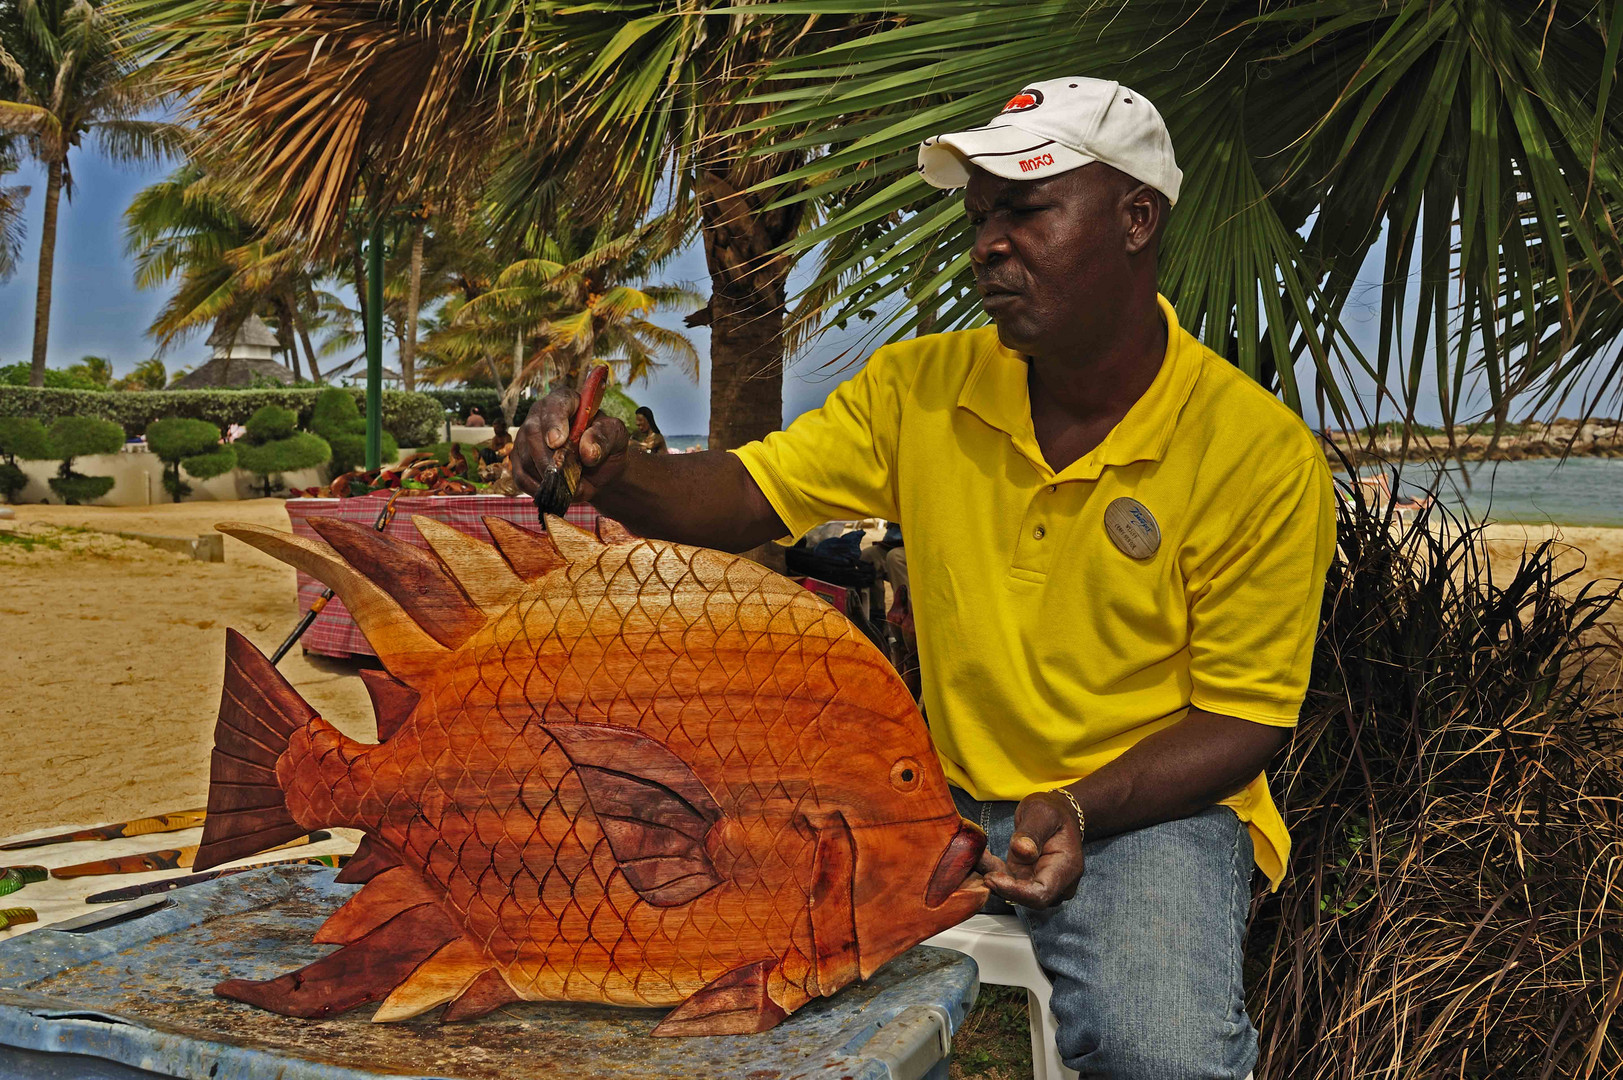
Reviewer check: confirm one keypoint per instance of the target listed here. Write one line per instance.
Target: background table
(334, 632)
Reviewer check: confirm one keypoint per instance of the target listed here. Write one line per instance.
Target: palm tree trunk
(748, 296)
(304, 339)
(285, 341)
(408, 347)
(47, 264)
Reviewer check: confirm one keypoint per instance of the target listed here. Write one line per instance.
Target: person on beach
(1121, 543)
(648, 439)
(474, 418)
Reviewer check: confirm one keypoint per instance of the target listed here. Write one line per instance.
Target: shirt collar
(996, 392)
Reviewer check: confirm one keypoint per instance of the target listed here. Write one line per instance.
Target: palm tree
(192, 229)
(12, 199)
(549, 317)
(65, 74)
(1476, 145)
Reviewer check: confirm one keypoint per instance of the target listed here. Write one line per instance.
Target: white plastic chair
(1001, 948)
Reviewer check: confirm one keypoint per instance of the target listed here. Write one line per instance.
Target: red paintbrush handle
(591, 396)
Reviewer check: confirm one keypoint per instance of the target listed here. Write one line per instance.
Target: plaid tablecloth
(334, 632)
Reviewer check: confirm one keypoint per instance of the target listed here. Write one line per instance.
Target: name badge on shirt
(1132, 528)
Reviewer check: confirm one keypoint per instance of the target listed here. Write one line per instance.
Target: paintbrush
(560, 478)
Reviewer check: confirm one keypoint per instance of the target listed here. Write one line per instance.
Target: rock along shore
(1559, 438)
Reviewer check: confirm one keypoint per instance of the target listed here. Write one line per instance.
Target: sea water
(1578, 491)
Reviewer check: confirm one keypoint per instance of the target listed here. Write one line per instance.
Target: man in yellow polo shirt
(1117, 546)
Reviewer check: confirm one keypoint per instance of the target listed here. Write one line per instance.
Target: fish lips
(957, 862)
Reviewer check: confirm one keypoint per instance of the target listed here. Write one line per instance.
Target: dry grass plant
(1455, 791)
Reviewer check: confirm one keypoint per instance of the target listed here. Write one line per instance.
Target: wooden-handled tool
(171, 859)
(171, 822)
(130, 892)
(560, 479)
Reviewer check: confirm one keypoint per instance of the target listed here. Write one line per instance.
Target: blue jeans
(1146, 959)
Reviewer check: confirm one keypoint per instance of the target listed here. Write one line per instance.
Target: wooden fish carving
(629, 772)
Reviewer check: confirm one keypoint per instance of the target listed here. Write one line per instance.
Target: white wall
(138, 481)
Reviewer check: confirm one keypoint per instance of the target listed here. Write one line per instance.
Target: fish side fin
(443, 976)
(414, 579)
(371, 858)
(259, 712)
(832, 904)
(365, 970)
(734, 1004)
(531, 555)
(486, 993)
(388, 894)
(392, 700)
(654, 810)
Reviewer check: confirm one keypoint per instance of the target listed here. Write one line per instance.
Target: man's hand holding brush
(708, 498)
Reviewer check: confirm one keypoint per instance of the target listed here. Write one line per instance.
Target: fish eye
(906, 775)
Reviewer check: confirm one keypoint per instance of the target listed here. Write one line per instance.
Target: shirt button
(1038, 533)
(1052, 488)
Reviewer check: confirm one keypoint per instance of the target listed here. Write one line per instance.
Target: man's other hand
(1045, 855)
(602, 445)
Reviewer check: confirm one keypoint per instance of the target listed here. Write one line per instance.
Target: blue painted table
(133, 999)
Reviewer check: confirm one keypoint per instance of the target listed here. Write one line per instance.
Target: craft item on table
(16, 916)
(161, 823)
(616, 770)
(168, 859)
(13, 878)
(560, 476)
(130, 892)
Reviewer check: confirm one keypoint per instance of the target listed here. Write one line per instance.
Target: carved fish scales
(609, 770)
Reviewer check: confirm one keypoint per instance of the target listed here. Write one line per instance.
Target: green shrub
(338, 419)
(22, 438)
(12, 480)
(74, 436)
(176, 441)
(216, 462)
(77, 378)
(271, 422)
(413, 419)
(268, 460)
(77, 489)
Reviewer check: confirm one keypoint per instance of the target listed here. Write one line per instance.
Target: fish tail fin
(259, 713)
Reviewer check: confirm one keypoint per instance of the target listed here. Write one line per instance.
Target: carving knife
(170, 859)
(171, 822)
(130, 892)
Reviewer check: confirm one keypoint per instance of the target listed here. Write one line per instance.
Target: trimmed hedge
(458, 400)
(413, 419)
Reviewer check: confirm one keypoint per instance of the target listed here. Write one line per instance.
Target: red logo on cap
(1025, 99)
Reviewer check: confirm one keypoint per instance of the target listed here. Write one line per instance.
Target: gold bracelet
(1081, 822)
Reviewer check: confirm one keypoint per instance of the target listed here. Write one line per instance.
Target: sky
(98, 310)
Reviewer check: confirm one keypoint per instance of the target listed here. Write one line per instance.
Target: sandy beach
(111, 656)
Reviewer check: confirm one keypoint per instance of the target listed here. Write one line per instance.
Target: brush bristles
(558, 487)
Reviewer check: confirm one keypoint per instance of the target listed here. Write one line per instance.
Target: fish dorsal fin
(416, 580)
(574, 542)
(405, 648)
(479, 568)
(392, 700)
(651, 806)
(531, 555)
(736, 1003)
(832, 905)
(612, 532)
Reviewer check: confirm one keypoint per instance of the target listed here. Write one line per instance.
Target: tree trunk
(285, 340)
(748, 286)
(304, 339)
(408, 347)
(47, 264)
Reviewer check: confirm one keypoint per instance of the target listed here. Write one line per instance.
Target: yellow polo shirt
(1046, 649)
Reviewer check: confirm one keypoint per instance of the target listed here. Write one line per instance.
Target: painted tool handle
(170, 822)
(591, 396)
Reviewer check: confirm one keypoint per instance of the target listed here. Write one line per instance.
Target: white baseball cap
(1055, 126)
